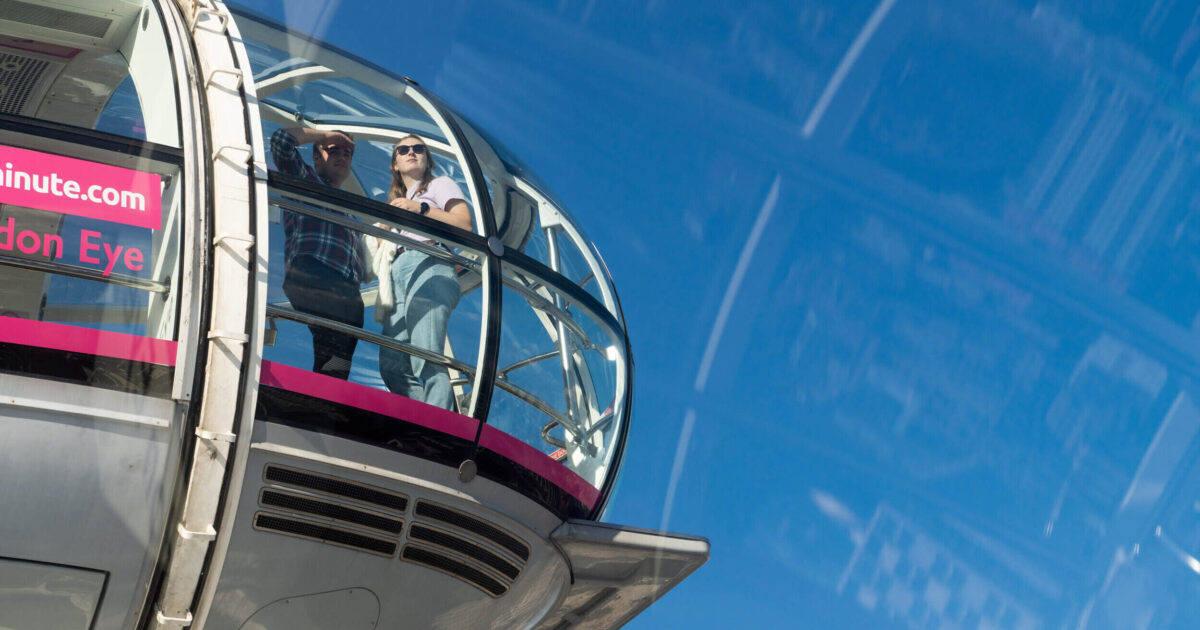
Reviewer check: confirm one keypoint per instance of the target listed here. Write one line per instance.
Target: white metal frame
(228, 390)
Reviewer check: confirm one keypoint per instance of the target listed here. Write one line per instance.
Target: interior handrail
(65, 269)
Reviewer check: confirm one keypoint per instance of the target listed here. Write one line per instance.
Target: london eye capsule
(287, 343)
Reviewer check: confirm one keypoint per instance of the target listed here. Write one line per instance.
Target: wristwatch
(424, 208)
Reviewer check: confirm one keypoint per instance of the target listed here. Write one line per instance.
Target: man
(323, 261)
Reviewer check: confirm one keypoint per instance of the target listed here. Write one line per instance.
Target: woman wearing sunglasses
(417, 291)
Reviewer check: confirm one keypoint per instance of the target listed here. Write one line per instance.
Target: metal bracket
(246, 239)
(220, 153)
(187, 534)
(198, 10)
(216, 437)
(229, 336)
(164, 620)
(272, 332)
(232, 72)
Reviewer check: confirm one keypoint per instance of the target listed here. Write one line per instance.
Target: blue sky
(912, 286)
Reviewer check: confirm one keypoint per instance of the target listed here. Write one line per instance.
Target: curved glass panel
(531, 222)
(121, 82)
(341, 101)
(561, 378)
(363, 334)
(356, 292)
(267, 62)
(557, 243)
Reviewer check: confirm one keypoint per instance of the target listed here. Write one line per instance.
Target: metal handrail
(536, 300)
(87, 274)
(548, 307)
(441, 359)
(512, 367)
(364, 228)
(525, 282)
(581, 438)
(375, 338)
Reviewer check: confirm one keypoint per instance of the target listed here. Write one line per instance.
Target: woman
(423, 288)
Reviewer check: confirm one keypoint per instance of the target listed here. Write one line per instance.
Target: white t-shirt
(440, 192)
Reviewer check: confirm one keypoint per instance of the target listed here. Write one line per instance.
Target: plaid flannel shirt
(336, 246)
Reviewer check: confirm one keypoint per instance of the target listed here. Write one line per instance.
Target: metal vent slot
(474, 525)
(455, 568)
(54, 19)
(323, 533)
(464, 547)
(18, 78)
(306, 505)
(335, 487)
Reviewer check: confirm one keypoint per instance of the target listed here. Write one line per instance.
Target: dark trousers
(318, 289)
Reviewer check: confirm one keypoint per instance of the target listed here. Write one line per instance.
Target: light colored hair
(398, 190)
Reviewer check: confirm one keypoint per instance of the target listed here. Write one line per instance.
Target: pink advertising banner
(70, 186)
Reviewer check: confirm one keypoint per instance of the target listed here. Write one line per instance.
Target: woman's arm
(456, 212)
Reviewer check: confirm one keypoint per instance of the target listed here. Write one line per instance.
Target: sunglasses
(417, 149)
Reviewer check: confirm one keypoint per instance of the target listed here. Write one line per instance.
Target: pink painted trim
(521, 453)
(87, 341)
(386, 403)
(366, 398)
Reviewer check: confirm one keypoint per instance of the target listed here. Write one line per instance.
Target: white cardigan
(381, 253)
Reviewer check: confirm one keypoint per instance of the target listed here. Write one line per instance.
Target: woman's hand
(406, 204)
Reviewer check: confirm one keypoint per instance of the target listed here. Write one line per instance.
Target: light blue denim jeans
(426, 291)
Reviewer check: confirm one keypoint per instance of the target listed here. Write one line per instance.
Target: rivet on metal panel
(495, 245)
(467, 470)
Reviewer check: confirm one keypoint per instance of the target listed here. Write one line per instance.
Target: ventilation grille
(324, 533)
(471, 550)
(335, 487)
(466, 547)
(341, 512)
(446, 564)
(325, 509)
(354, 505)
(54, 19)
(473, 525)
(18, 79)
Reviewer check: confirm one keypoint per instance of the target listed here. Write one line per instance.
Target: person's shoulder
(445, 185)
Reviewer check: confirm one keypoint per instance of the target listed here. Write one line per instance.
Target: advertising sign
(44, 181)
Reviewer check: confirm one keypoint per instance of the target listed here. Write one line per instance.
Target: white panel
(150, 67)
(346, 609)
(38, 595)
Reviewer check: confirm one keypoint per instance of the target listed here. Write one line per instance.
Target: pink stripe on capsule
(87, 341)
(521, 453)
(393, 405)
(367, 398)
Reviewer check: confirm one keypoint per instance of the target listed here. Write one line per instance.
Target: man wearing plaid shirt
(324, 262)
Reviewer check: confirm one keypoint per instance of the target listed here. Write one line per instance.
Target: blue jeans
(426, 291)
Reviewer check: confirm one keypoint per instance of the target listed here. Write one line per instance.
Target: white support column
(229, 373)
